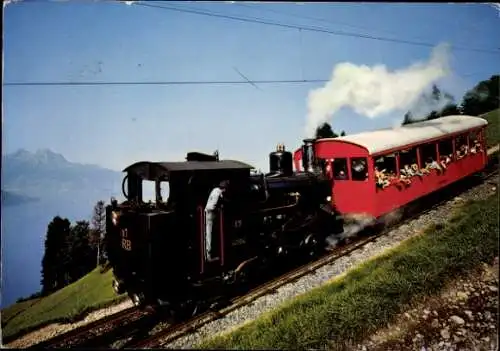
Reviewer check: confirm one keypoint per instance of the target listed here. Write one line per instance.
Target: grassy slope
(70, 303)
(351, 307)
(94, 290)
(493, 130)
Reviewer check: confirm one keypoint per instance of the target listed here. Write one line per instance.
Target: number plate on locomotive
(126, 243)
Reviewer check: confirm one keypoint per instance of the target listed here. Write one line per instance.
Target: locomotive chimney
(281, 161)
(308, 158)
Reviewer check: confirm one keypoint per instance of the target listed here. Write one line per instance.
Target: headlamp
(114, 218)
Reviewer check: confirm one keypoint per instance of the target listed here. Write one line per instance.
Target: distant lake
(23, 238)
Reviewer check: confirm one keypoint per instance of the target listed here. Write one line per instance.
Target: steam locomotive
(156, 250)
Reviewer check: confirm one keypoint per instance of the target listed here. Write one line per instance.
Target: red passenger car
(379, 171)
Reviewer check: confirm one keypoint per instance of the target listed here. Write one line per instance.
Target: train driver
(213, 203)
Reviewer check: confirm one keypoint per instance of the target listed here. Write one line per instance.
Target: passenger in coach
(381, 179)
(359, 169)
(476, 147)
(341, 175)
(407, 171)
(425, 170)
(386, 178)
(462, 151)
(416, 170)
(432, 164)
(445, 160)
(359, 166)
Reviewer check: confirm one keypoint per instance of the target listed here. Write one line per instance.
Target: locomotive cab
(150, 240)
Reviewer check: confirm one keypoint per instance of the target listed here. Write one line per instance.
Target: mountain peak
(41, 156)
(49, 155)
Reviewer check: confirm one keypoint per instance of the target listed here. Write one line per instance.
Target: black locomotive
(156, 250)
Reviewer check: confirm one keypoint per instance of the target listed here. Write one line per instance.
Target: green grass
(493, 129)
(352, 307)
(71, 303)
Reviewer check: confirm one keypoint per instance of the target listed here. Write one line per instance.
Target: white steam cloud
(373, 91)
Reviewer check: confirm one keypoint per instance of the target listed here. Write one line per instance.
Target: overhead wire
(213, 82)
(306, 28)
(311, 18)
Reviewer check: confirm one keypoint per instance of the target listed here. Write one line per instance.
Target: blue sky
(107, 41)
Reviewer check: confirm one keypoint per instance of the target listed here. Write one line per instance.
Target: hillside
(68, 304)
(493, 130)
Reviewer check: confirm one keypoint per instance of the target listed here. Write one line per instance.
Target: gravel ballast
(55, 329)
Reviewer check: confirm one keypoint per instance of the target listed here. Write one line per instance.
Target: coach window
(445, 151)
(359, 169)
(340, 169)
(428, 157)
(385, 170)
(475, 142)
(461, 146)
(408, 162)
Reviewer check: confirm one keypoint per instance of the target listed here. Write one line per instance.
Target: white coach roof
(391, 138)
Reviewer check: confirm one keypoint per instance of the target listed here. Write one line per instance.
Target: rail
(75, 336)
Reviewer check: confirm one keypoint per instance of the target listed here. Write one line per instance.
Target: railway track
(133, 324)
(78, 336)
(174, 332)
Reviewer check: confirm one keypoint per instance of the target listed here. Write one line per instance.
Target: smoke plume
(373, 91)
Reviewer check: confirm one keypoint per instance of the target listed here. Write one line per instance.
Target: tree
(434, 100)
(82, 255)
(98, 229)
(450, 110)
(484, 97)
(407, 118)
(325, 131)
(57, 256)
